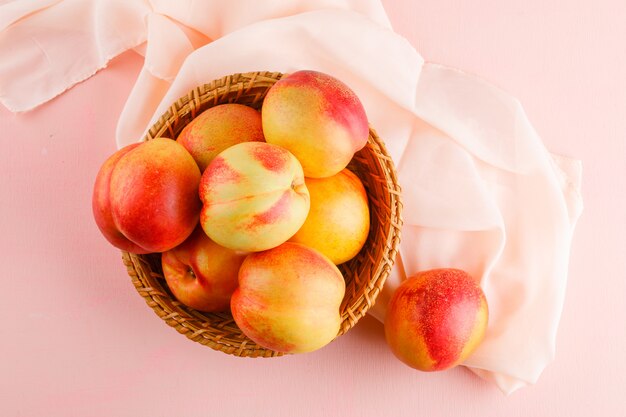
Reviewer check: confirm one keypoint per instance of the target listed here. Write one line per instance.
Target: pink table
(77, 340)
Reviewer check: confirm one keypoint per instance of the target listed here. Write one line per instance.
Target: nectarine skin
(288, 299)
(436, 319)
(202, 274)
(316, 117)
(101, 204)
(219, 128)
(254, 197)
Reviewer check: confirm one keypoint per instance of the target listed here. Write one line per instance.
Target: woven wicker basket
(365, 274)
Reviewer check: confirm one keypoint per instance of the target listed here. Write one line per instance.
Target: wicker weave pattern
(365, 274)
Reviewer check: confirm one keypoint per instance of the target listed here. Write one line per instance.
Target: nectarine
(145, 196)
(339, 221)
(288, 299)
(254, 197)
(436, 319)
(219, 128)
(316, 117)
(202, 274)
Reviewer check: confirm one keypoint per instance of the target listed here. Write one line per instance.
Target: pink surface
(78, 340)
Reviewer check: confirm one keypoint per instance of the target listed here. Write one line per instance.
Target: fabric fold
(58, 44)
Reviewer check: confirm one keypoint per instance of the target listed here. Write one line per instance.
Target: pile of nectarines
(251, 211)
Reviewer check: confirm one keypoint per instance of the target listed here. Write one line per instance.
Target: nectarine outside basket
(365, 274)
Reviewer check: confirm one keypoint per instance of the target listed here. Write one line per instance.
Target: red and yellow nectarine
(145, 196)
(254, 197)
(288, 298)
(317, 118)
(219, 128)
(436, 319)
(202, 274)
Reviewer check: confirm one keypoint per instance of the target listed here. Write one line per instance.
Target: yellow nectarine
(339, 221)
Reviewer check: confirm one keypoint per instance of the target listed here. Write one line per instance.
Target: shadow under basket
(365, 274)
